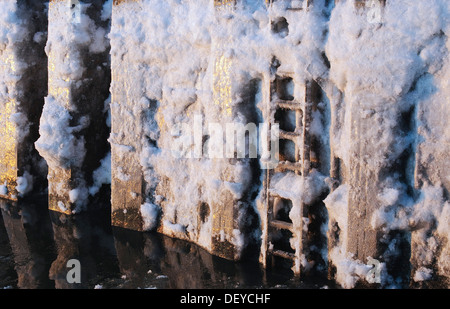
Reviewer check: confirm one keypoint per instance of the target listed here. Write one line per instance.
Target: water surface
(35, 245)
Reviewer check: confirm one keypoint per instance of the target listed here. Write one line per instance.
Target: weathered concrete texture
(364, 187)
(24, 77)
(137, 183)
(233, 217)
(432, 161)
(224, 211)
(377, 154)
(362, 174)
(82, 93)
(127, 179)
(430, 241)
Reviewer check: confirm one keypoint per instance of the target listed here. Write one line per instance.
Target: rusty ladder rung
(285, 74)
(293, 136)
(283, 254)
(282, 225)
(286, 165)
(301, 139)
(308, 2)
(291, 105)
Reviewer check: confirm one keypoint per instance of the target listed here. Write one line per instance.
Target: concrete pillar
(361, 173)
(144, 118)
(223, 212)
(430, 243)
(23, 85)
(73, 126)
(227, 210)
(127, 182)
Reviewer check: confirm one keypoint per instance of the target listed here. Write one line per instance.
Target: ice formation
(22, 86)
(396, 80)
(73, 120)
(194, 66)
(188, 75)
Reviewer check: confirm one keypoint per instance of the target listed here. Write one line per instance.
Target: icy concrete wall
(23, 85)
(73, 128)
(388, 117)
(209, 64)
(182, 75)
(308, 130)
(170, 80)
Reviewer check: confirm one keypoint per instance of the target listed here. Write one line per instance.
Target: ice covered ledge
(23, 85)
(73, 127)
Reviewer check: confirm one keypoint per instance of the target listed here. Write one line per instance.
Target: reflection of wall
(30, 236)
(153, 260)
(130, 254)
(84, 237)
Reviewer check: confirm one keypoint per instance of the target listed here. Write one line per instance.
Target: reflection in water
(35, 245)
(87, 238)
(152, 260)
(30, 239)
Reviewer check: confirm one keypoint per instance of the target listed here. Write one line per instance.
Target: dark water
(35, 245)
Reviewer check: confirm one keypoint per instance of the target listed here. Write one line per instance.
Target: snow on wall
(397, 74)
(176, 54)
(195, 63)
(66, 119)
(12, 32)
(21, 93)
(183, 71)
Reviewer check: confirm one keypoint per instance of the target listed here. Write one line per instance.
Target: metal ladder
(301, 165)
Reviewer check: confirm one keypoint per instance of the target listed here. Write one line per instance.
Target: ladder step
(292, 105)
(284, 74)
(283, 254)
(289, 135)
(286, 165)
(281, 225)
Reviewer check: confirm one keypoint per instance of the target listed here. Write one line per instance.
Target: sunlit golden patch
(8, 133)
(224, 4)
(222, 83)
